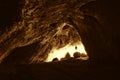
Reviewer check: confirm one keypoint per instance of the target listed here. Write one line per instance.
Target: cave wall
(99, 29)
(101, 39)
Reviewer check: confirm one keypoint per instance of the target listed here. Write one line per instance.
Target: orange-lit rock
(76, 55)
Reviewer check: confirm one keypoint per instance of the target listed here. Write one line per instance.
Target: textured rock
(54, 24)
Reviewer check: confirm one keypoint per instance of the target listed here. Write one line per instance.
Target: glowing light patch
(60, 53)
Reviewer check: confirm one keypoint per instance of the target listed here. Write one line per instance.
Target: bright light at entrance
(60, 53)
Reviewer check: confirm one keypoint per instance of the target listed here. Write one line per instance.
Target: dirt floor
(64, 70)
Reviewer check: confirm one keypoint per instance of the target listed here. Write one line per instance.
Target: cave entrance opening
(68, 52)
(71, 48)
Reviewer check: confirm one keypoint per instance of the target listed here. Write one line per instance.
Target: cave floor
(63, 70)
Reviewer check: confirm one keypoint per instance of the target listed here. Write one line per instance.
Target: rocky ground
(65, 70)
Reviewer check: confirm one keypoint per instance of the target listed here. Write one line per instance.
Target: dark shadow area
(101, 38)
(65, 70)
(10, 12)
(20, 55)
